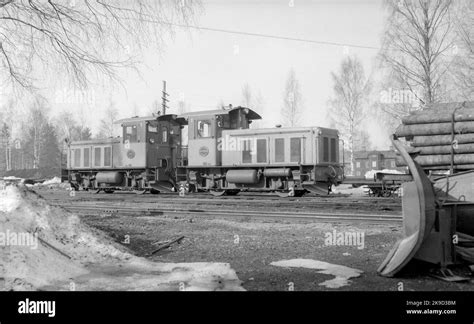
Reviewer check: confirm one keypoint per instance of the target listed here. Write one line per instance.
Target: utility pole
(164, 95)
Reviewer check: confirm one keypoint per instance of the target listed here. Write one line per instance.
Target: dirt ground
(250, 246)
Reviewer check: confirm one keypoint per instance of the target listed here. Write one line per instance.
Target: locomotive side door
(153, 141)
(202, 141)
(164, 152)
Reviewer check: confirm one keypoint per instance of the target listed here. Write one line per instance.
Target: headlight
(152, 140)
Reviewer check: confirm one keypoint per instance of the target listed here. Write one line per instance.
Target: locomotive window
(246, 152)
(131, 134)
(152, 128)
(107, 156)
(325, 149)
(164, 134)
(86, 157)
(333, 150)
(261, 150)
(295, 148)
(77, 158)
(279, 150)
(97, 157)
(203, 128)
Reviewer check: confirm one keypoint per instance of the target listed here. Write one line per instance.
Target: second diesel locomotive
(223, 155)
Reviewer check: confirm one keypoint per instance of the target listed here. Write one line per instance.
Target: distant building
(375, 160)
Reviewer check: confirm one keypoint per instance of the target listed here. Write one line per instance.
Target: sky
(205, 67)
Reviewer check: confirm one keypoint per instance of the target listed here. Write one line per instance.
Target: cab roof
(251, 115)
(135, 119)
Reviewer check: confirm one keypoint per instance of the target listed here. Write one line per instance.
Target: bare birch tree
(107, 123)
(292, 101)
(182, 107)
(463, 67)
(416, 44)
(82, 37)
(247, 96)
(37, 121)
(346, 107)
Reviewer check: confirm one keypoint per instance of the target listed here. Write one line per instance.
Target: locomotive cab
(205, 132)
(153, 143)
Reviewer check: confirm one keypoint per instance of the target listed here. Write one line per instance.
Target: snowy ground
(48, 248)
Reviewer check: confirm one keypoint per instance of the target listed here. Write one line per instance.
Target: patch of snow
(70, 251)
(10, 199)
(12, 178)
(55, 180)
(347, 189)
(342, 273)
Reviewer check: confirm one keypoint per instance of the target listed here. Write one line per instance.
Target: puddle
(342, 273)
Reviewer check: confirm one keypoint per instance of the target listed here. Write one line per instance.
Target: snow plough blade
(419, 215)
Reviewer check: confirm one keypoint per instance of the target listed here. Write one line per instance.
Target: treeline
(33, 145)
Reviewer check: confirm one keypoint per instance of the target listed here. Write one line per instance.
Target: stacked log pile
(442, 135)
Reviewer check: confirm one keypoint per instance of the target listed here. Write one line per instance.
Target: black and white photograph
(254, 148)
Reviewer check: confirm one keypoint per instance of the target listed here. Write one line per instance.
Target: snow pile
(12, 178)
(44, 247)
(345, 189)
(10, 199)
(370, 175)
(342, 273)
(53, 181)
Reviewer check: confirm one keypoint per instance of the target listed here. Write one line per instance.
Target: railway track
(105, 210)
(335, 202)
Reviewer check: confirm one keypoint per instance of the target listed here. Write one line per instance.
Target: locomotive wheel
(154, 191)
(231, 192)
(282, 194)
(217, 193)
(300, 192)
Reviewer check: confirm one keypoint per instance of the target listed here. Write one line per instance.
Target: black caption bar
(381, 307)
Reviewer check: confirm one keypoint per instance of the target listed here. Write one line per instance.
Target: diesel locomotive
(223, 156)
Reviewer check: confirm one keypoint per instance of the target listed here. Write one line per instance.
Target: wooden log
(445, 159)
(443, 149)
(435, 140)
(434, 129)
(429, 116)
(462, 167)
(167, 245)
